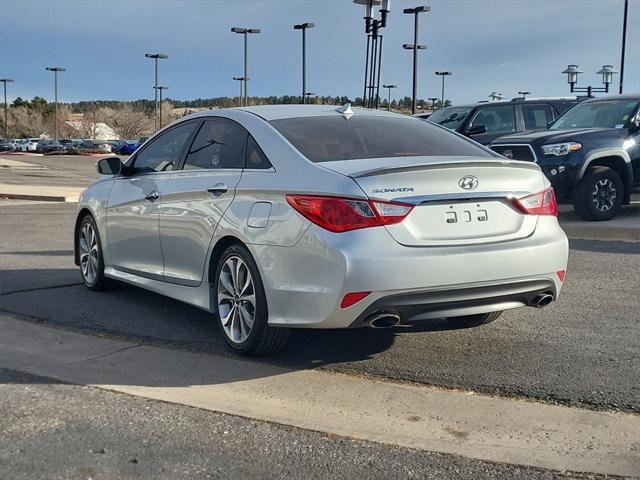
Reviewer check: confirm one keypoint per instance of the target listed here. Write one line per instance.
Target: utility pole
(55, 71)
(6, 107)
(303, 27)
(443, 74)
(245, 77)
(415, 47)
(624, 41)
(156, 57)
(389, 87)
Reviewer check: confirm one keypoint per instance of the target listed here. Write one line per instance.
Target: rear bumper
(306, 283)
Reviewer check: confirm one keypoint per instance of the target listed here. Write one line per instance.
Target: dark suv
(484, 122)
(591, 154)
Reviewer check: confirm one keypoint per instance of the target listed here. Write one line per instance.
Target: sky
(490, 45)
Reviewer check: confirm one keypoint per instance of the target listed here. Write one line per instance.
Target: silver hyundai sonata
(315, 216)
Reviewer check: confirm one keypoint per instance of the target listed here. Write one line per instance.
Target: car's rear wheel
(90, 256)
(241, 311)
(469, 321)
(599, 194)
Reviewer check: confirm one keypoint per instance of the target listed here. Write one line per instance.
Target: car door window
(164, 152)
(256, 159)
(496, 119)
(536, 116)
(220, 143)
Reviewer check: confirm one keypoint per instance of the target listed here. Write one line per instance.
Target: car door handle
(152, 196)
(218, 189)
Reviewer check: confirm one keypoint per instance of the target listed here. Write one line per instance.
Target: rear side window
(256, 159)
(536, 116)
(497, 119)
(336, 137)
(220, 143)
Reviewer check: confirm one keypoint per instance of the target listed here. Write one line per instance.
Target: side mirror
(109, 166)
(477, 130)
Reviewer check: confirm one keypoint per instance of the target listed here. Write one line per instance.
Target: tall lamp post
(160, 88)
(607, 72)
(443, 75)
(624, 41)
(55, 71)
(389, 87)
(6, 107)
(433, 103)
(415, 47)
(373, 56)
(245, 32)
(240, 79)
(303, 27)
(156, 57)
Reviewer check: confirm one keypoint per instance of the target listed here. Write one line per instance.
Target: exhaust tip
(542, 300)
(383, 320)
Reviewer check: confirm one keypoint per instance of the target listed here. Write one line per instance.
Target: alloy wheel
(236, 299)
(88, 244)
(604, 195)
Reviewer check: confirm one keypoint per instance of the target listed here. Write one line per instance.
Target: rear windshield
(328, 138)
(450, 117)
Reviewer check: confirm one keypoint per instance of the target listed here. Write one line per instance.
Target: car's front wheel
(469, 321)
(90, 256)
(599, 194)
(241, 311)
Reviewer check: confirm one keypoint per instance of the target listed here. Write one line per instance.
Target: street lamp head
(389, 86)
(607, 73)
(238, 30)
(253, 30)
(422, 9)
(444, 73)
(572, 72)
(302, 26)
(156, 55)
(160, 87)
(6, 80)
(56, 69)
(238, 78)
(368, 6)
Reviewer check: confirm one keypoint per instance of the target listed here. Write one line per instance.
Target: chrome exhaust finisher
(542, 300)
(383, 320)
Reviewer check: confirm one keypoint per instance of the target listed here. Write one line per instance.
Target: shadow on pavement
(628, 248)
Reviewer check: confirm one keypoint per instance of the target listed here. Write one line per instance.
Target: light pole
(443, 75)
(240, 79)
(6, 107)
(607, 73)
(372, 68)
(303, 27)
(415, 47)
(389, 87)
(55, 71)
(524, 94)
(156, 57)
(495, 96)
(245, 32)
(433, 103)
(160, 88)
(624, 41)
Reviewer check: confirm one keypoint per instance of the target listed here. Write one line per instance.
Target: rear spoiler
(452, 163)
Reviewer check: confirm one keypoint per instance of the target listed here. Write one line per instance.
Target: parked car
(591, 154)
(66, 143)
(484, 122)
(6, 145)
(49, 146)
(18, 144)
(124, 147)
(322, 217)
(31, 145)
(94, 146)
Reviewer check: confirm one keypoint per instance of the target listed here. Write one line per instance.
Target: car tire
(241, 305)
(599, 195)
(470, 321)
(90, 256)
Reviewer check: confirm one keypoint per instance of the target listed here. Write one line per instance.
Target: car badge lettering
(468, 183)
(392, 190)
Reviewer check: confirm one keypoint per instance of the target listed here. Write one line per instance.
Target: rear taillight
(343, 214)
(541, 203)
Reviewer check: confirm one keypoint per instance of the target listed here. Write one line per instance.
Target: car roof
(277, 112)
(627, 96)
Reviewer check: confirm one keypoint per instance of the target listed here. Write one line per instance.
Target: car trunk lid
(445, 213)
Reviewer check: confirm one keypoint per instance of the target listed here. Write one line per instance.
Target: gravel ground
(53, 430)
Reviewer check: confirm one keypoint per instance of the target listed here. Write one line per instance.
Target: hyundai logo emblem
(468, 183)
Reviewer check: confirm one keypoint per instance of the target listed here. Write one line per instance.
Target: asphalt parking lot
(581, 351)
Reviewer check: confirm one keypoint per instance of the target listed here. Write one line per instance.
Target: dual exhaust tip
(390, 320)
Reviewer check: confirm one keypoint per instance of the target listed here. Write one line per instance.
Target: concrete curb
(461, 423)
(40, 192)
